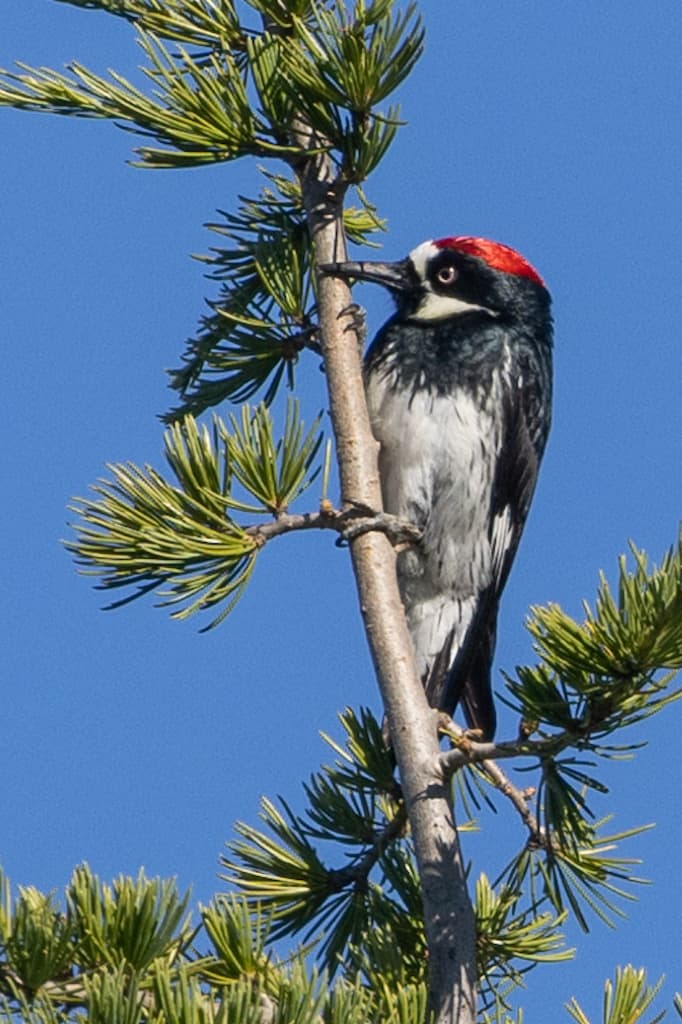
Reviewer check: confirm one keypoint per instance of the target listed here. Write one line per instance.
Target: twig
(348, 523)
(469, 751)
(357, 874)
(518, 798)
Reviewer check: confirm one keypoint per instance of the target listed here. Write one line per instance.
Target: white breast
(437, 460)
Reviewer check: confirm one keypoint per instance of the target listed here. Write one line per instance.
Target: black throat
(438, 356)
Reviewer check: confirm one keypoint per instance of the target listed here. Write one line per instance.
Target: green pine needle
(604, 674)
(280, 870)
(181, 539)
(625, 1001)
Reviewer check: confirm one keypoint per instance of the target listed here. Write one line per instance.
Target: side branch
(348, 523)
(517, 797)
(357, 873)
(468, 751)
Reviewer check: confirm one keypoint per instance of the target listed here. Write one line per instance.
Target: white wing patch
(502, 534)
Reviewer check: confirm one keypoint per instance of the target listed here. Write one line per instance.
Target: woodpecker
(459, 391)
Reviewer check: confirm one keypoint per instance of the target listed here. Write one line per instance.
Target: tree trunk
(449, 918)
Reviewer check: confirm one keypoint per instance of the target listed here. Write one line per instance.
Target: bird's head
(451, 277)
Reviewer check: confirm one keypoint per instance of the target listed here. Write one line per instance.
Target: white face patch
(440, 307)
(422, 256)
(435, 306)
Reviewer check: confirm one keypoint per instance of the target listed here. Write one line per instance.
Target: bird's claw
(364, 520)
(448, 729)
(359, 508)
(460, 738)
(356, 321)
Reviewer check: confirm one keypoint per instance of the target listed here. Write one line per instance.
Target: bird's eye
(446, 275)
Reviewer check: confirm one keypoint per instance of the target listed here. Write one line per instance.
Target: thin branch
(357, 874)
(348, 523)
(467, 751)
(517, 797)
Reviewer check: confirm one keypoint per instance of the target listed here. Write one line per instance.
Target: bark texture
(450, 925)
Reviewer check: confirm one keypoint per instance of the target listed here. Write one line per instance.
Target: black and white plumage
(459, 384)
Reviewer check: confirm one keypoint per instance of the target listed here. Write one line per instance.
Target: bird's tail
(454, 642)
(476, 692)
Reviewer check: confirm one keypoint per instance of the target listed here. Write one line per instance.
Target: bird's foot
(448, 729)
(456, 735)
(359, 508)
(361, 519)
(357, 321)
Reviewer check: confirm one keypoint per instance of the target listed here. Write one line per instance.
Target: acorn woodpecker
(459, 390)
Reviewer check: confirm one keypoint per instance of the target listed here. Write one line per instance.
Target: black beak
(397, 277)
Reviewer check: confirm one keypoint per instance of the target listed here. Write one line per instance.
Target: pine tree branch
(357, 874)
(467, 751)
(348, 523)
(517, 797)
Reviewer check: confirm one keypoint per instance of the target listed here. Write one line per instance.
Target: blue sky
(132, 740)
